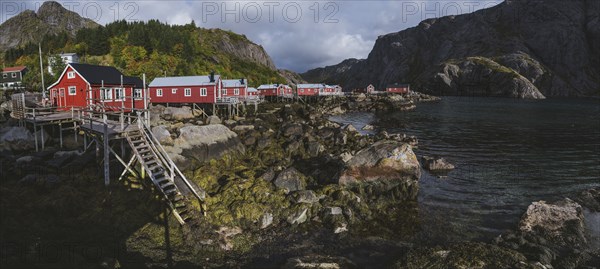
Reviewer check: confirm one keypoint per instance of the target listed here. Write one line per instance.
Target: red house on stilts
(398, 88)
(96, 87)
(275, 90)
(186, 90)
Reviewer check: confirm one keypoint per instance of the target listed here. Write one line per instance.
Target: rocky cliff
(519, 48)
(29, 26)
(239, 46)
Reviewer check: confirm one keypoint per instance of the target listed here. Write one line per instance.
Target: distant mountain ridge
(29, 26)
(519, 48)
(190, 50)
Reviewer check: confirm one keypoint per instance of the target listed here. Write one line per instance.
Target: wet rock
(384, 160)
(243, 128)
(315, 148)
(162, 134)
(225, 234)
(590, 199)
(436, 163)
(213, 120)
(561, 222)
(368, 127)
(350, 128)
(20, 138)
(266, 220)
(332, 211)
(293, 130)
(290, 180)
(49, 179)
(300, 216)
(305, 196)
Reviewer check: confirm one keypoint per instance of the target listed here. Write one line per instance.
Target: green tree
(57, 65)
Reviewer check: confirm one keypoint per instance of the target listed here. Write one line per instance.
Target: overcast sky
(298, 35)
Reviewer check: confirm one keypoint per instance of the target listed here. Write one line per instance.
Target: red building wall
(59, 94)
(268, 92)
(179, 96)
(308, 91)
(231, 91)
(399, 89)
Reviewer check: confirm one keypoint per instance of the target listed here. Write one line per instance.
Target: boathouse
(186, 90)
(309, 89)
(275, 90)
(94, 86)
(234, 88)
(398, 88)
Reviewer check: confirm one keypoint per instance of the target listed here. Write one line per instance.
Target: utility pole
(42, 72)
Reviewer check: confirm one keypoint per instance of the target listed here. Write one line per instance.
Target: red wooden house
(332, 90)
(186, 90)
(398, 88)
(275, 90)
(234, 88)
(309, 89)
(85, 85)
(252, 92)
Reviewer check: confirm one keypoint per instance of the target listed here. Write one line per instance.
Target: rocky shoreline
(286, 188)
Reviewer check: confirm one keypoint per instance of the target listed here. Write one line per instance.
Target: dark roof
(13, 69)
(139, 84)
(96, 74)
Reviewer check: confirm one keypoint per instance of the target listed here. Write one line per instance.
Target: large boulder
(178, 113)
(561, 222)
(384, 160)
(202, 143)
(162, 134)
(20, 138)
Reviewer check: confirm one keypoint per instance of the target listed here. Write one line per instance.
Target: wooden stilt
(106, 157)
(60, 131)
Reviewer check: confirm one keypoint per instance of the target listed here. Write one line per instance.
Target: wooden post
(42, 136)
(60, 130)
(106, 156)
(35, 135)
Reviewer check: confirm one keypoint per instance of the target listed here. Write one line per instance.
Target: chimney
(212, 76)
(242, 81)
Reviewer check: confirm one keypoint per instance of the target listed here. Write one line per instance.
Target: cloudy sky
(299, 35)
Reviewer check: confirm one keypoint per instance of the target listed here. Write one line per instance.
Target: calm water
(508, 153)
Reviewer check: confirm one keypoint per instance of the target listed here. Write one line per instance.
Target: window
(138, 94)
(236, 91)
(106, 94)
(119, 93)
(203, 92)
(72, 90)
(71, 74)
(187, 92)
(14, 75)
(61, 92)
(224, 92)
(174, 91)
(4, 75)
(159, 92)
(302, 90)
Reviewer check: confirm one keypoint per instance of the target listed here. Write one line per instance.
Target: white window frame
(224, 92)
(106, 94)
(14, 75)
(187, 92)
(236, 91)
(70, 74)
(159, 92)
(203, 92)
(74, 90)
(174, 91)
(137, 93)
(302, 90)
(119, 94)
(4, 75)
(61, 92)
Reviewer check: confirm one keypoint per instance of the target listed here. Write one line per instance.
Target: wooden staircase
(164, 174)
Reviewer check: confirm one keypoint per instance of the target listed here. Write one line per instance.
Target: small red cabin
(398, 88)
(234, 88)
(252, 92)
(186, 90)
(275, 90)
(85, 85)
(309, 89)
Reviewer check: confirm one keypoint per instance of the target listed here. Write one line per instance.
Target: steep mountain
(324, 73)
(291, 77)
(519, 48)
(29, 26)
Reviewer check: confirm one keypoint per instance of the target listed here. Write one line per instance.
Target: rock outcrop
(525, 49)
(29, 26)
